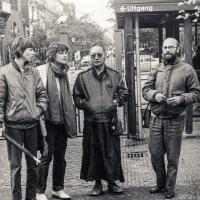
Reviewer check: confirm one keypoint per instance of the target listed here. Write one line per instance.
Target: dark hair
(19, 45)
(53, 48)
(197, 50)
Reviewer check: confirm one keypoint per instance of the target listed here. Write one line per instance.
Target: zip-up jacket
(95, 94)
(179, 79)
(22, 96)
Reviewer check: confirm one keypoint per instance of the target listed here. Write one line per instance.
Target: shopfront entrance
(131, 17)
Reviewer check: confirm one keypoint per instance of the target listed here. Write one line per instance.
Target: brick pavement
(137, 169)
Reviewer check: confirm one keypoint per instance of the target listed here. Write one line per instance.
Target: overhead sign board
(153, 7)
(5, 7)
(134, 8)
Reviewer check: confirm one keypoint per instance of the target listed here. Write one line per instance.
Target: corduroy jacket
(179, 79)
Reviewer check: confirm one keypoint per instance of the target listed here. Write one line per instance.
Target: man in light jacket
(170, 87)
(22, 100)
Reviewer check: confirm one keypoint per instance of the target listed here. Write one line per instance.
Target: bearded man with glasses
(170, 87)
(98, 91)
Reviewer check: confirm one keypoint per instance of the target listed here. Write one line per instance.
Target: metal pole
(188, 59)
(138, 75)
(130, 76)
(196, 35)
(160, 35)
(1, 43)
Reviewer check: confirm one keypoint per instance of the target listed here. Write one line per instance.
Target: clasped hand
(173, 101)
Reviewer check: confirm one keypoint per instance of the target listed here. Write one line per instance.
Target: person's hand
(45, 148)
(2, 128)
(38, 112)
(160, 97)
(174, 101)
(115, 102)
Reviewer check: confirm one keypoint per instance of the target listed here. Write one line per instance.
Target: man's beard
(171, 60)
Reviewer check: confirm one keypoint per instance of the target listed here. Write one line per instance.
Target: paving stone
(138, 171)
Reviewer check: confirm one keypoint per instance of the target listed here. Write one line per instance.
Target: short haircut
(19, 45)
(100, 44)
(53, 48)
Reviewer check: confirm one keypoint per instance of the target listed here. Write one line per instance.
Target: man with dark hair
(22, 100)
(98, 91)
(60, 119)
(170, 87)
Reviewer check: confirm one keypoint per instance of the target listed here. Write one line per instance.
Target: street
(137, 170)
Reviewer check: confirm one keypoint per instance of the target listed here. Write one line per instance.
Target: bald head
(170, 50)
(170, 41)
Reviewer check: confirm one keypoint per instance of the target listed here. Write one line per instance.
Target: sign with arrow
(153, 7)
(135, 8)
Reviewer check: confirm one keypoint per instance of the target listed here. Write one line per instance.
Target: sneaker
(41, 196)
(60, 195)
(157, 189)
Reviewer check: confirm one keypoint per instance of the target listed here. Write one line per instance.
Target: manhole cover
(136, 154)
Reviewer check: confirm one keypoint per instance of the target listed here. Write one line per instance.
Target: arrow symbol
(123, 9)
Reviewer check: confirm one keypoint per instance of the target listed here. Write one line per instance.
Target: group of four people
(27, 93)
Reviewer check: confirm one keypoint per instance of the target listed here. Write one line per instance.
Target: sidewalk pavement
(137, 170)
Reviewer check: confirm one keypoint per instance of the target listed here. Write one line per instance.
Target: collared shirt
(101, 75)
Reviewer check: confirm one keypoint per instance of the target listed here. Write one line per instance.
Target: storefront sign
(153, 7)
(133, 8)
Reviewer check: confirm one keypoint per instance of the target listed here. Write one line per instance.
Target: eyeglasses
(169, 47)
(62, 52)
(96, 55)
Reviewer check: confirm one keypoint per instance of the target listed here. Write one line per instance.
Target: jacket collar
(103, 75)
(14, 64)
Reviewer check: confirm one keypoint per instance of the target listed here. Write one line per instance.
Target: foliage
(40, 40)
(80, 32)
(84, 30)
(110, 3)
(184, 14)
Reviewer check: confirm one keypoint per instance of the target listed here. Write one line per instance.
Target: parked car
(147, 62)
(85, 61)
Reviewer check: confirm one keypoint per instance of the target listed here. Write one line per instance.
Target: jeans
(166, 137)
(28, 138)
(57, 145)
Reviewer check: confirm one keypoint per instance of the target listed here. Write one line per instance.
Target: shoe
(169, 194)
(60, 195)
(41, 196)
(114, 188)
(97, 190)
(157, 189)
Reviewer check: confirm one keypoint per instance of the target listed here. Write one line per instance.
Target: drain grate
(136, 154)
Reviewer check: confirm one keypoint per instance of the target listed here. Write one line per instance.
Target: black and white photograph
(99, 99)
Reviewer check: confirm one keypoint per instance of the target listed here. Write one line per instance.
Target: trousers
(166, 138)
(57, 145)
(28, 138)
